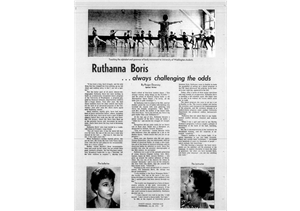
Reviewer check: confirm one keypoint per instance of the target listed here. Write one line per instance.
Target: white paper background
(214, 67)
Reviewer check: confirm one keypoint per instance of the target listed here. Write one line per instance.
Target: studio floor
(120, 51)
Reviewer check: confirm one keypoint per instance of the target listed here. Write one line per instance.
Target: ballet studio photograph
(151, 33)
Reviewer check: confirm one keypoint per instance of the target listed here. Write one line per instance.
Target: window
(209, 22)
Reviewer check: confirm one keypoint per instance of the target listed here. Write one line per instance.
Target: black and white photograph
(150, 101)
(197, 187)
(103, 187)
(151, 33)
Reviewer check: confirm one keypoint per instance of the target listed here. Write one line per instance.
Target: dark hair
(165, 17)
(100, 174)
(202, 181)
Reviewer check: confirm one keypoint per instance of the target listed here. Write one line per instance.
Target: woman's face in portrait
(106, 188)
(189, 184)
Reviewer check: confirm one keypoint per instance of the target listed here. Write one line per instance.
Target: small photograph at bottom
(103, 187)
(197, 187)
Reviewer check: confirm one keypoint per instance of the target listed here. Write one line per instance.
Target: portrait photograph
(103, 187)
(197, 187)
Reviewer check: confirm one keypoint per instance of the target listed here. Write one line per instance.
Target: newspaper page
(150, 122)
